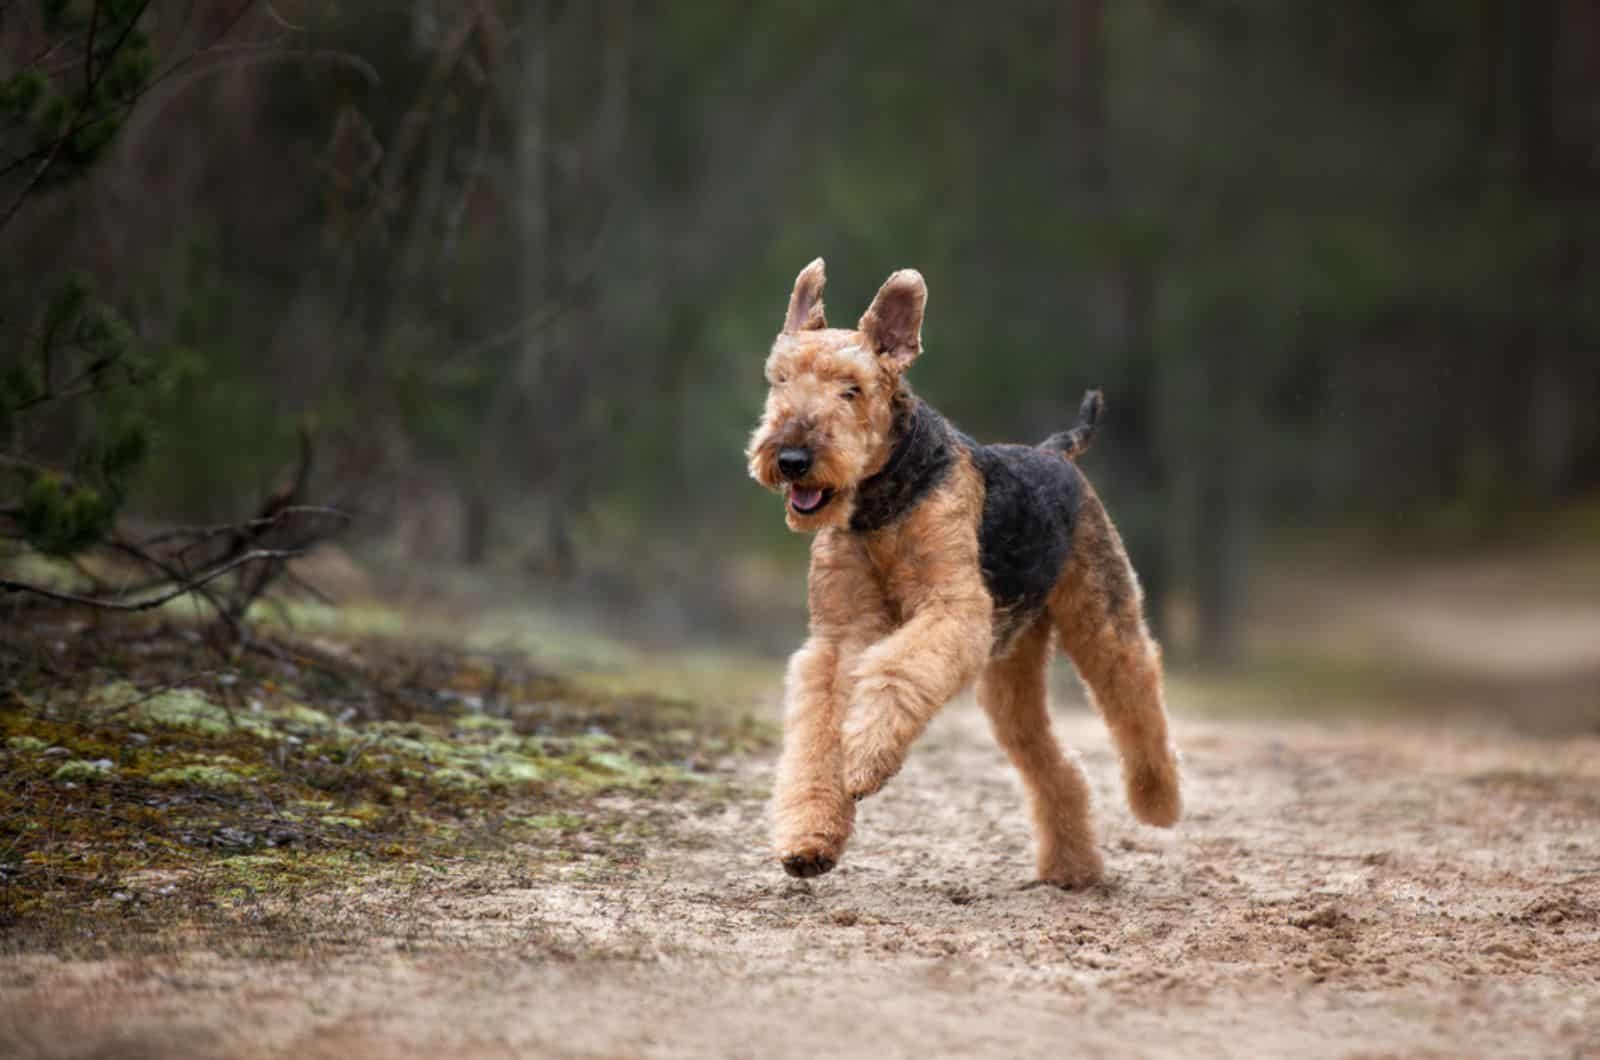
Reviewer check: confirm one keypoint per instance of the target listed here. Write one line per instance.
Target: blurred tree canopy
(1330, 263)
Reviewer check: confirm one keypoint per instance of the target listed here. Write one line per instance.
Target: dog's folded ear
(805, 304)
(893, 323)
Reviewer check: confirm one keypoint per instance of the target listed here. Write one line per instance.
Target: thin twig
(178, 575)
(272, 13)
(204, 532)
(88, 51)
(88, 391)
(321, 596)
(254, 555)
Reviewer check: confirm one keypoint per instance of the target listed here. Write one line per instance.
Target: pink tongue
(805, 499)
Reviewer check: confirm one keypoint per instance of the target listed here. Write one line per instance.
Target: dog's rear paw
(807, 864)
(1072, 863)
(1067, 881)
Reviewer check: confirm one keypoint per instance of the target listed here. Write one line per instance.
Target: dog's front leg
(901, 682)
(812, 812)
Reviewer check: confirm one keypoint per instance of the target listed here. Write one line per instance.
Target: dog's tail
(1073, 443)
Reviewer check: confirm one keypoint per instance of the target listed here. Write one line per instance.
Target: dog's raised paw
(865, 775)
(864, 784)
(806, 866)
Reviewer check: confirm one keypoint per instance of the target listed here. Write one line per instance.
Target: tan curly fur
(902, 618)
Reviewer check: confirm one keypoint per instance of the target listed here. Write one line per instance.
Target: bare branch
(22, 463)
(202, 533)
(253, 556)
(67, 395)
(271, 11)
(177, 575)
(88, 51)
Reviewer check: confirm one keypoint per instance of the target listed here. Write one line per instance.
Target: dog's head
(830, 405)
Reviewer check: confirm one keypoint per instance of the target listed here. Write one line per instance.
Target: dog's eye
(851, 393)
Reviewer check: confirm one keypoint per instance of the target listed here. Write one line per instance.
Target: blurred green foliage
(57, 123)
(1330, 264)
(71, 120)
(82, 350)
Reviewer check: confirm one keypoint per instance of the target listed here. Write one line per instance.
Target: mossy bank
(157, 795)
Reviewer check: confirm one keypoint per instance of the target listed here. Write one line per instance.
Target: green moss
(79, 771)
(453, 779)
(508, 743)
(482, 723)
(179, 708)
(409, 738)
(512, 770)
(301, 720)
(622, 765)
(198, 775)
(567, 823)
(300, 803)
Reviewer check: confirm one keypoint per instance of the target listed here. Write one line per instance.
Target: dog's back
(1030, 507)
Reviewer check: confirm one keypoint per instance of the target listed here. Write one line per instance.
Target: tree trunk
(528, 92)
(1223, 465)
(476, 525)
(1083, 84)
(1535, 29)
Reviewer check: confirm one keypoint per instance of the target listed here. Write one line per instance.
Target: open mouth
(808, 500)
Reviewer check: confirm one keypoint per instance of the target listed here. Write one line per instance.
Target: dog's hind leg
(1097, 608)
(1013, 692)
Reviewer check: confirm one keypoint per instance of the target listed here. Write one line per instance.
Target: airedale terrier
(936, 561)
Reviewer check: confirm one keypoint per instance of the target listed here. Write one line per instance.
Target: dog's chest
(893, 573)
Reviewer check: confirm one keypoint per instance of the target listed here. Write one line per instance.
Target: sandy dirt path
(1336, 890)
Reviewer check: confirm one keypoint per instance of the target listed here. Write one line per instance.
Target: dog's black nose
(792, 463)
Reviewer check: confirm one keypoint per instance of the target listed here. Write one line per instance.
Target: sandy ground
(1335, 890)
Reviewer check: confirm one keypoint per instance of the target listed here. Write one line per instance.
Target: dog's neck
(919, 458)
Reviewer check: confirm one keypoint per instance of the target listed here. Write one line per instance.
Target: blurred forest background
(513, 268)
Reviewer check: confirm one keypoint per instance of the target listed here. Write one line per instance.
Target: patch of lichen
(156, 793)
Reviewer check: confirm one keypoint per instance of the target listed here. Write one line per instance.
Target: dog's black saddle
(1030, 508)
